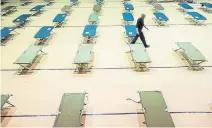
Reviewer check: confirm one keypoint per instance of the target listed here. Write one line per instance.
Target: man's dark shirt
(140, 24)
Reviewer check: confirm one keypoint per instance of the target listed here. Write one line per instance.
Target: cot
(197, 18)
(37, 9)
(127, 17)
(193, 56)
(21, 20)
(130, 31)
(160, 18)
(28, 57)
(97, 8)
(43, 34)
(89, 33)
(157, 7)
(185, 7)
(100, 1)
(74, 2)
(49, 2)
(206, 6)
(154, 107)
(25, 2)
(128, 7)
(4, 1)
(66, 9)
(140, 56)
(5, 33)
(125, 1)
(83, 57)
(5, 100)
(71, 110)
(59, 20)
(93, 18)
(7, 10)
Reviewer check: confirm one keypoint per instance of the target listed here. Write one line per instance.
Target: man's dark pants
(141, 34)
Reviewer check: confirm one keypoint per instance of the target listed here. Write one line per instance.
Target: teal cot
(28, 57)
(83, 57)
(140, 56)
(93, 19)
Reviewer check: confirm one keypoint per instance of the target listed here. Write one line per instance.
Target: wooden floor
(111, 81)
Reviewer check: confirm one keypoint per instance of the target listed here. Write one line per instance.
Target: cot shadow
(26, 4)
(10, 13)
(83, 118)
(4, 112)
(141, 118)
(8, 40)
(24, 24)
(38, 13)
(85, 71)
(34, 64)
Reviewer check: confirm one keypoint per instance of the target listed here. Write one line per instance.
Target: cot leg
(10, 104)
(177, 49)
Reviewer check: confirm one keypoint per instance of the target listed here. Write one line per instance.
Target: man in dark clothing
(139, 26)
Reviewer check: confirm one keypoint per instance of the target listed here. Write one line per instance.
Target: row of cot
(138, 51)
(59, 20)
(159, 16)
(31, 53)
(9, 9)
(71, 109)
(85, 50)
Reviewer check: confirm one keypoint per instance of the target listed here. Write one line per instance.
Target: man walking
(139, 26)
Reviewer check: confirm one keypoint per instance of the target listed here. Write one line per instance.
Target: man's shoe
(147, 46)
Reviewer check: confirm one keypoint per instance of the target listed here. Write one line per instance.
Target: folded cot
(140, 56)
(5, 100)
(154, 107)
(127, 17)
(44, 33)
(185, 7)
(196, 17)
(193, 56)
(206, 6)
(93, 18)
(59, 20)
(37, 9)
(28, 57)
(7, 10)
(71, 110)
(21, 20)
(89, 33)
(83, 57)
(160, 18)
(130, 31)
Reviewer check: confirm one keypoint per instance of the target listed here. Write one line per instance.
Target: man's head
(143, 16)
